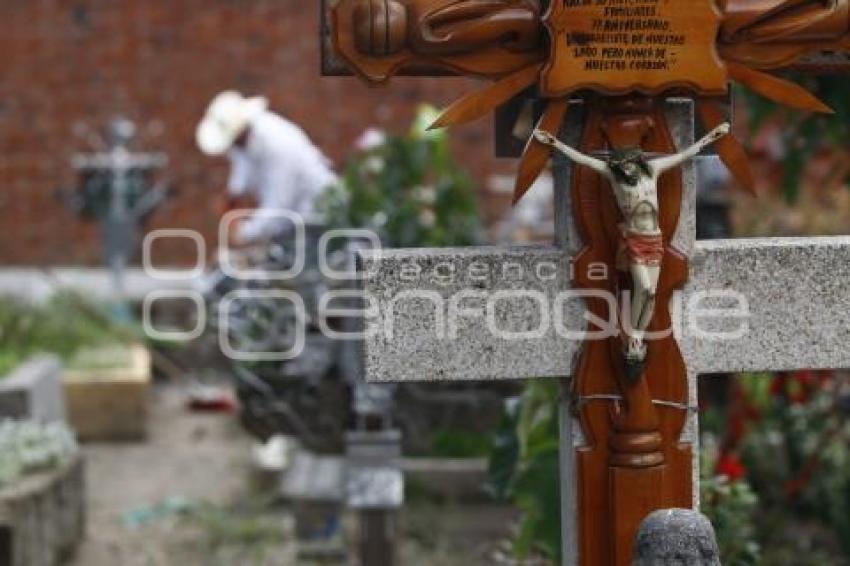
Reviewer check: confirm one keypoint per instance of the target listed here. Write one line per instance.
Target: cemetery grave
(592, 311)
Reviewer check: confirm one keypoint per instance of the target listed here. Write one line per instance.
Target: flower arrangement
(65, 325)
(407, 188)
(28, 447)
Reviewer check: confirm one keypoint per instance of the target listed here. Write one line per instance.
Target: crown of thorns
(620, 157)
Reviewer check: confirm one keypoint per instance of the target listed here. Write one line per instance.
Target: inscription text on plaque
(620, 46)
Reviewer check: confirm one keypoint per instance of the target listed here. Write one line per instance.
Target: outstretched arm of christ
(578, 157)
(662, 164)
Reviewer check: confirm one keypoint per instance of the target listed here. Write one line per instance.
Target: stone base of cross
(505, 313)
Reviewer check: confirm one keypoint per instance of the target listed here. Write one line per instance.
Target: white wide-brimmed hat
(227, 117)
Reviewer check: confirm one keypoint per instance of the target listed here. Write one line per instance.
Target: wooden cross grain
(628, 444)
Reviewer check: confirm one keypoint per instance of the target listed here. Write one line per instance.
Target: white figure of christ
(634, 179)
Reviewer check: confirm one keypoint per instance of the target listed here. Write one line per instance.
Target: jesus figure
(634, 179)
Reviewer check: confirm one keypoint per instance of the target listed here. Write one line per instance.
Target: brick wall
(68, 66)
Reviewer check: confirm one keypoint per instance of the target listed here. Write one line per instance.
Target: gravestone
(375, 490)
(315, 486)
(42, 516)
(33, 391)
(643, 73)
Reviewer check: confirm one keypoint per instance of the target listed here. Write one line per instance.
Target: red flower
(730, 465)
(778, 384)
(795, 388)
(804, 377)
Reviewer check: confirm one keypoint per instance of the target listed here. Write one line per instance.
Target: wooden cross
(644, 71)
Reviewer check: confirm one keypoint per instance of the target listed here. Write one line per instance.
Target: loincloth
(641, 249)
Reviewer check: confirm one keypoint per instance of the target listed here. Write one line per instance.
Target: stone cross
(121, 217)
(501, 313)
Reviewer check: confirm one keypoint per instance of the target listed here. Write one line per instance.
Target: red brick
(68, 63)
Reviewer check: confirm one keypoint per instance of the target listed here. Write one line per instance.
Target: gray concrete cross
(498, 313)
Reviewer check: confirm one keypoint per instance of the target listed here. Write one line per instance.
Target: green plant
(235, 526)
(408, 189)
(459, 443)
(524, 468)
(63, 326)
(731, 505)
(796, 453)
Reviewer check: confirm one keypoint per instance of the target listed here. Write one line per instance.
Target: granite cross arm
(471, 314)
(780, 301)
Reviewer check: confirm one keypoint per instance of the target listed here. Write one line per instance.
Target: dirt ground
(188, 496)
(148, 502)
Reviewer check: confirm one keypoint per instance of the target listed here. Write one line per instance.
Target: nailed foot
(633, 365)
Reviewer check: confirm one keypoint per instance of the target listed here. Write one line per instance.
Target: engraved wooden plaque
(622, 46)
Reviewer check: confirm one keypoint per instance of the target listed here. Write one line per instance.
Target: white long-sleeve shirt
(282, 169)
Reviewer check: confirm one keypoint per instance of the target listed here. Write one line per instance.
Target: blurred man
(271, 159)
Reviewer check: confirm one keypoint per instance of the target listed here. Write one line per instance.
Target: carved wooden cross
(509, 313)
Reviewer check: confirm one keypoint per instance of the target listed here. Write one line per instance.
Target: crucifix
(115, 189)
(640, 250)
(627, 309)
